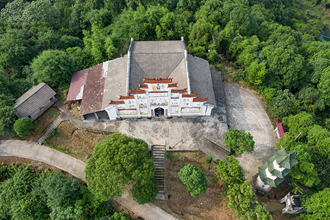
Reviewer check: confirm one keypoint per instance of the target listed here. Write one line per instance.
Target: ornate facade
(158, 96)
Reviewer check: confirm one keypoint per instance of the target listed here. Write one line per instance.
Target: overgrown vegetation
(25, 194)
(194, 179)
(239, 141)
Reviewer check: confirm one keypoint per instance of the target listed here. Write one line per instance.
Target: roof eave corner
(187, 66)
(129, 65)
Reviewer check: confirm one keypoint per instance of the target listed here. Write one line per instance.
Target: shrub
(218, 66)
(23, 126)
(194, 179)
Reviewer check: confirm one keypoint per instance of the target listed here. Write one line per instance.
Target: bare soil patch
(72, 106)
(74, 141)
(181, 204)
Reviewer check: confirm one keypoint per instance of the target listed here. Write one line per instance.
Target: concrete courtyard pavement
(196, 133)
(245, 112)
(34, 151)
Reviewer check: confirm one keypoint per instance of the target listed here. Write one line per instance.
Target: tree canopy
(194, 179)
(117, 160)
(239, 141)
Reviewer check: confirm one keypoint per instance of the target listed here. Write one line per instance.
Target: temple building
(155, 78)
(272, 173)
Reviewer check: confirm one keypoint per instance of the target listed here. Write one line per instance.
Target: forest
(274, 45)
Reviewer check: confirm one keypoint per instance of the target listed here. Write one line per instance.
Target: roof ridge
(15, 106)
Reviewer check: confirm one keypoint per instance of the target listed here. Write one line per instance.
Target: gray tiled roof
(174, 46)
(33, 100)
(200, 78)
(151, 59)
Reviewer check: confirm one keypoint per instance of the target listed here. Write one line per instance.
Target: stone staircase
(55, 124)
(159, 158)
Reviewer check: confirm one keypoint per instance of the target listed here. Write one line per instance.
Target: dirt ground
(181, 204)
(76, 142)
(72, 106)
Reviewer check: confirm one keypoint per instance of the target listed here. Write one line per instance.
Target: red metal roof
(173, 85)
(280, 129)
(93, 91)
(77, 81)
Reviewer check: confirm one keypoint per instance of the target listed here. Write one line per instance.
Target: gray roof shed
(33, 99)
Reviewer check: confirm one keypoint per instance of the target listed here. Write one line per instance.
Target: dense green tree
(53, 67)
(281, 105)
(145, 193)
(116, 161)
(317, 205)
(194, 179)
(295, 124)
(23, 126)
(239, 197)
(7, 114)
(324, 85)
(229, 171)
(239, 141)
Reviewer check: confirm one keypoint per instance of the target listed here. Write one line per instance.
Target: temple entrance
(159, 111)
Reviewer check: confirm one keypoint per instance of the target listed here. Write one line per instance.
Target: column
(148, 104)
(180, 100)
(137, 106)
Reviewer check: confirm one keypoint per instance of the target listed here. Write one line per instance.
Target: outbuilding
(35, 101)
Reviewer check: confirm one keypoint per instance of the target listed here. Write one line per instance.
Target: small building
(272, 173)
(280, 131)
(155, 78)
(292, 205)
(35, 101)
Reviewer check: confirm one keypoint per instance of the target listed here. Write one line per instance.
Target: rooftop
(33, 99)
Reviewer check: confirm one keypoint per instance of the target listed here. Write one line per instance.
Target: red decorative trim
(172, 85)
(143, 86)
(174, 105)
(137, 92)
(189, 95)
(157, 80)
(127, 97)
(201, 100)
(166, 111)
(179, 90)
(174, 97)
(152, 112)
(158, 92)
(131, 109)
(116, 102)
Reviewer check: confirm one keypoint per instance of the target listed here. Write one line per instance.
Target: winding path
(34, 151)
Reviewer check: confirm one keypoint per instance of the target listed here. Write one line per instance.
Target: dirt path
(34, 151)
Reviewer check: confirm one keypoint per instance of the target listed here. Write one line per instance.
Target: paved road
(245, 112)
(34, 151)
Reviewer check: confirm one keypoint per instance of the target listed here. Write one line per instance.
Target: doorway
(159, 111)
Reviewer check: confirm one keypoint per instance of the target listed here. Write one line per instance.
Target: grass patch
(96, 131)
(73, 141)
(63, 150)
